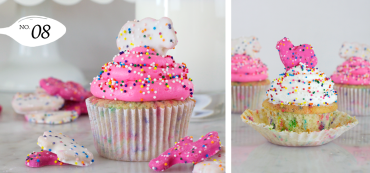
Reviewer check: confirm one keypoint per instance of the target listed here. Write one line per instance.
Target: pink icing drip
(354, 71)
(291, 55)
(43, 158)
(247, 69)
(187, 151)
(120, 79)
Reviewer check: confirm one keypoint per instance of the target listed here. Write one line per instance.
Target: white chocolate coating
(214, 164)
(57, 117)
(34, 102)
(246, 45)
(157, 34)
(349, 50)
(67, 149)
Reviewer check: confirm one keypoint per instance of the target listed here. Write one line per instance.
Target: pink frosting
(354, 71)
(247, 69)
(291, 55)
(187, 151)
(43, 158)
(142, 75)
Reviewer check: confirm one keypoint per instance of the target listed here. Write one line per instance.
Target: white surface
(63, 2)
(18, 138)
(323, 24)
(200, 27)
(348, 153)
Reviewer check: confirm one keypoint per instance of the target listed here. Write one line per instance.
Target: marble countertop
(18, 138)
(251, 152)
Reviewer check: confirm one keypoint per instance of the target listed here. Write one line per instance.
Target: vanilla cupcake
(352, 79)
(301, 101)
(248, 75)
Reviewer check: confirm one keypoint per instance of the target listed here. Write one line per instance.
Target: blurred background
(323, 24)
(90, 42)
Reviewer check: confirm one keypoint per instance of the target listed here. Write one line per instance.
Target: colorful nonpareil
(56, 117)
(214, 164)
(187, 151)
(23, 103)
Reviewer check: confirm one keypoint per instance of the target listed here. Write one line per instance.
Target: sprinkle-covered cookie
(156, 34)
(33, 102)
(67, 149)
(186, 151)
(42, 158)
(78, 107)
(57, 117)
(67, 90)
(214, 164)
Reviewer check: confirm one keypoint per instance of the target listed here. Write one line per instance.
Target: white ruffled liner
(247, 97)
(138, 134)
(355, 101)
(286, 138)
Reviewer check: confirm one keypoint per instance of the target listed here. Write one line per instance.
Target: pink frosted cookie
(291, 55)
(214, 164)
(42, 158)
(79, 107)
(57, 117)
(67, 90)
(67, 149)
(187, 151)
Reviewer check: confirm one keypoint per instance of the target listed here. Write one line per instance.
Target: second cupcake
(248, 75)
(142, 99)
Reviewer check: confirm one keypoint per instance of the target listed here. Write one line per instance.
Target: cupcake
(142, 100)
(301, 108)
(352, 79)
(248, 75)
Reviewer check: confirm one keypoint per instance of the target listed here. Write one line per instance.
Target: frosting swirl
(247, 69)
(354, 71)
(140, 74)
(303, 86)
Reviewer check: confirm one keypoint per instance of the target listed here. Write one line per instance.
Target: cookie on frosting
(33, 102)
(249, 46)
(67, 90)
(349, 50)
(42, 158)
(67, 149)
(187, 151)
(157, 34)
(214, 164)
(56, 117)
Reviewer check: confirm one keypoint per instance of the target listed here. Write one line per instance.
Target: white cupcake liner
(286, 138)
(247, 97)
(138, 134)
(355, 101)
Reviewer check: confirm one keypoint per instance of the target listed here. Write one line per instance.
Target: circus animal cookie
(186, 151)
(214, 164)
(67, 90)
(67, 149)
(57, 117)
(349, 50)
(157, 34)
(42, 158)
(78, 107)
(291, 55)
(246, 45)
(33, 102)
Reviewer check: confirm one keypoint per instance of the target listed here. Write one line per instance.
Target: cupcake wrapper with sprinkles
(286, 138)
(247, 97)
(355, 101)
(138, 134)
